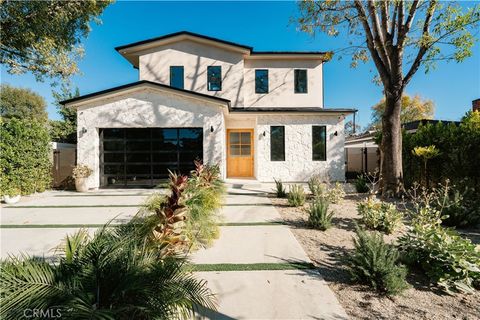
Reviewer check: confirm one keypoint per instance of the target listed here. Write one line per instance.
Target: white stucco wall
(149, 108)
(281, 84)
(154, 65)
(298, 164)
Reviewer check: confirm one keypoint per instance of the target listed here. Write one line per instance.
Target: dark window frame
(219, 80)
(282, 158)
(183, 77)
(314, 155)
(295, 79)
(268, 84)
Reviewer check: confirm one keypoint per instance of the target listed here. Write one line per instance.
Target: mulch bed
(327, 248)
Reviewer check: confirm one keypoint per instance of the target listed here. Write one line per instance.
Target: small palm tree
(107, 277)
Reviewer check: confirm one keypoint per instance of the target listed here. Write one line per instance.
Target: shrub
(459, 205)
(319, 189)
(296, 196)
(107, 277)
(279, 189)
(375, 263)
(318, 215)
(24, 155)
(448, 259)
(361, 184)
(378, 215)
(336, 194)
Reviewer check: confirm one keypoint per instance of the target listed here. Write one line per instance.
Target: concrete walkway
(262, 294)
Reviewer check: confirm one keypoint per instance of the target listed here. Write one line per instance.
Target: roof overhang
(132, 51)
(290, 110)
(131, 87)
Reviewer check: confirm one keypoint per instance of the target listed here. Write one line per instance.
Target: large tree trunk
(391, 146)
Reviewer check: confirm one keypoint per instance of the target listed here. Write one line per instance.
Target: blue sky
(265, 26)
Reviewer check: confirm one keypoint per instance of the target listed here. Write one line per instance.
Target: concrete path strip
(253, 244)
(291, 294)
(248, 213)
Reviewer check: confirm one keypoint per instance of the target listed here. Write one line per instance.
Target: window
(319, 143)
(214, 78)
(261, 81)
(240, 144)
(176, 77)
(300, 81)
(277, 143)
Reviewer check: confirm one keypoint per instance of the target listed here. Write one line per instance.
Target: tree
(351, 128)
(64, 130)
(21, 103)
(413, 108)
(400, 37)
(43, 37)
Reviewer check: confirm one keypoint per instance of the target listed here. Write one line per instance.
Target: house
(255, 114)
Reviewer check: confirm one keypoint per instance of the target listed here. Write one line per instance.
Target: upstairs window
(277, 143)
(176, 77)
(319, 143)
(261, 81)
(301, 82)
(214, 78)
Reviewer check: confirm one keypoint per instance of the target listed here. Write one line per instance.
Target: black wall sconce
(84, 130)
(336, 133)
(264, 134)
(211, 129)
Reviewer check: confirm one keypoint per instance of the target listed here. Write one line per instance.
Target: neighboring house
(255, 114)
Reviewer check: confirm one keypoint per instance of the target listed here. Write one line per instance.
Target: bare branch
(378, 36)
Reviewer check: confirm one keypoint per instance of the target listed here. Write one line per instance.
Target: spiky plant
(296, 196)
(375, 263)
(280, 189)
(108, 277)
(318, 215)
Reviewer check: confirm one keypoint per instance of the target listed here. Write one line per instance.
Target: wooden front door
(240, 153)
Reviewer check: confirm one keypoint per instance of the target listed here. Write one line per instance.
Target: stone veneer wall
(298, 164)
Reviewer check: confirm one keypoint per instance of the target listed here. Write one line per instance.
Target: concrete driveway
(39, 223)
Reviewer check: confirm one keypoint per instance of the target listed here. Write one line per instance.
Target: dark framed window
(261, 81)
(277, 143)
(176, 77)
(319, 143)
(301, 81)
(214, 78)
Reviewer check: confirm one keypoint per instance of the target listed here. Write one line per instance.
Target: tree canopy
(413, 108)
(64, 130)
(21, 103)
(400, 37)
(43, 37)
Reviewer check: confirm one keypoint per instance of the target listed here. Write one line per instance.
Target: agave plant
(107, 277)
(280, 189)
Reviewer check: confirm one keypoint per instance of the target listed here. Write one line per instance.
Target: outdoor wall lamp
(264, 134)
(84, 130)
(211, 129)
(336, 133)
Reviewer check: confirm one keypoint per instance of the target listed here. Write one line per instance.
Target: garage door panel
(143, 156)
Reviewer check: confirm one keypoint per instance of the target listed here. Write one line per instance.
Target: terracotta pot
(11, 199)
(81, 184)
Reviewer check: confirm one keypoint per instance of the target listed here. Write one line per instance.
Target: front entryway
(132, 157)
(240, 150)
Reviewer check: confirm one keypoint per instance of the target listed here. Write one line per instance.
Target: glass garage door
(137, 157)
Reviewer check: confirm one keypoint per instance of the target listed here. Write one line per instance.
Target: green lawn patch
(253, 266)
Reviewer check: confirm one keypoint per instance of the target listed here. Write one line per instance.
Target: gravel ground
(326, 248)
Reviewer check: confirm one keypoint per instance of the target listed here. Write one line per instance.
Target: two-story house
(256, 114)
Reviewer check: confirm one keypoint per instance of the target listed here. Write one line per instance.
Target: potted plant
(80, 173)
(11, 195)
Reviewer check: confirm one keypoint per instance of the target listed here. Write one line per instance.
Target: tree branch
(378, 36)
(423, 47)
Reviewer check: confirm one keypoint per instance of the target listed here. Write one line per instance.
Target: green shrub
(378, 215)
(336, 193)
(279, 189)
(459, 205)
(296, 196)
(375, 263)
(318, 215)
(361, 184)
(24, 155)
(319, 189)
(448, 259)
